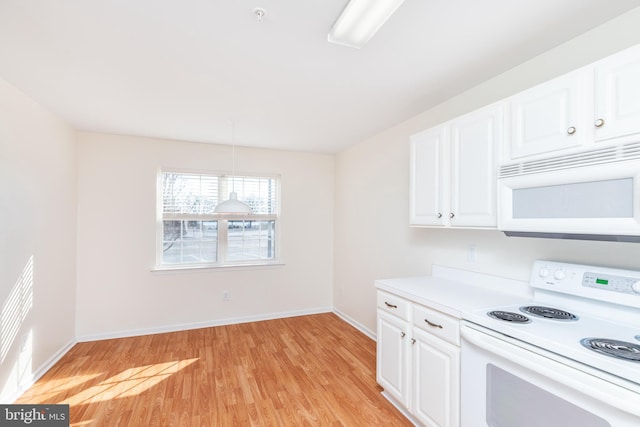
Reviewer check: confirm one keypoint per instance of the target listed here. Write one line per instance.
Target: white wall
(118, 294)
(38, 249)
(372, 237)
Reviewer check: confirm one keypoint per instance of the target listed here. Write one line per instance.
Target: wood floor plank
(302, 371)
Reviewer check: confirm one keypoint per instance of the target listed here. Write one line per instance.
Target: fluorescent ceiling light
(360, 20)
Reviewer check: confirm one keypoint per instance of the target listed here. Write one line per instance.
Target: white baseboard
(401, 408)
(359, 326)
(199, 325)
(38, 373)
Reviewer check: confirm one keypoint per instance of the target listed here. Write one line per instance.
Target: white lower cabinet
(418, 360)
(436, 379)
(393, 357)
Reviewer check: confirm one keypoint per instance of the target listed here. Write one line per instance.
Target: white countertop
(455, 292)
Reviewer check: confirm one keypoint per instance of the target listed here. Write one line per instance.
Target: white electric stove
(574, 349)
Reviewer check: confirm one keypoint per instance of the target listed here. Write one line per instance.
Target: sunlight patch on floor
(130, 382)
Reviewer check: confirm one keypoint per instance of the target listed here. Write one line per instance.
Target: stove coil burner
(509, 316)
(548, 313)
(613, 348)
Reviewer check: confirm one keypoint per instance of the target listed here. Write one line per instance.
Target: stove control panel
(626, 285)
(599, 283)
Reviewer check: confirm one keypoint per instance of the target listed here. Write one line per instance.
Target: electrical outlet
(472, 253)
(226, 295)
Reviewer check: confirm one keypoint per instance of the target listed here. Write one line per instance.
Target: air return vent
(586, 158)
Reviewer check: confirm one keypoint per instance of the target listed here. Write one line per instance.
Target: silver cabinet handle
(435, 325)
(413, 340)
(451, 215)
(439, 215)
(599, 123)
(390, 305)
(402, 334)
(571, 130)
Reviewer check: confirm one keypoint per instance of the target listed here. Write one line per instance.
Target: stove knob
(636, 287)
(559, 275)
(544, 272)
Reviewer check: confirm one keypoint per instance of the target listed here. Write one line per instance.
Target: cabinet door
(475, 139)
(436, 376)
(427, 189)
(393, 355)
(546, 118)
(617, 97)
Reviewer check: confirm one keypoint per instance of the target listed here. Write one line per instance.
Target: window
(191, 234)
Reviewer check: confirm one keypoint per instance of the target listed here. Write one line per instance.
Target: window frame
(222, 219)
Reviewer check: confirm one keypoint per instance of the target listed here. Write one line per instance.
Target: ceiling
(186, 69)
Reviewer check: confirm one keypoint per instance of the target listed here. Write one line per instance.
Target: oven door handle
(601, 390)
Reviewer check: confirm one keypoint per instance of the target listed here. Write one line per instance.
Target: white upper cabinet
(475, 139)
(453, 171)
(595, 105)
(617, 97)
(547, 117)
(428, 170)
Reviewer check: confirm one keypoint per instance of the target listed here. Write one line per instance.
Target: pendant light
(233, 205)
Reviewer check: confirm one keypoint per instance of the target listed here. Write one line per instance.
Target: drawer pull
(413, 340)
(390, 305)
(435, 325)
(402, 334)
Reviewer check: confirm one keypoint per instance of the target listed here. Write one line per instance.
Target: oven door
(507, 385)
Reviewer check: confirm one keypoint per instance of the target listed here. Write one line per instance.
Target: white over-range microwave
(591, 195)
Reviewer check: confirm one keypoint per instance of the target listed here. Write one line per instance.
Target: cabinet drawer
(394, 305)
(437, 324)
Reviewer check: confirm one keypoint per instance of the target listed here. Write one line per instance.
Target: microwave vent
(612, 154)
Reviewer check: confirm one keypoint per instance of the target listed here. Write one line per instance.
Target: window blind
(188, 193)
(198, 194)
(191, 233)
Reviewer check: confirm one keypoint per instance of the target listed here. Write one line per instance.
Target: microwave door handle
(615, 396)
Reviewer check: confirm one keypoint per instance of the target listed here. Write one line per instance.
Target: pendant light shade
(233, 205)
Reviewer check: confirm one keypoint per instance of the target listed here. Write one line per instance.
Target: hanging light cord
(233, 156)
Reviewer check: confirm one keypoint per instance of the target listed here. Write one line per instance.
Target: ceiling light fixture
(259, 14)
(360, 20)
(233, 205)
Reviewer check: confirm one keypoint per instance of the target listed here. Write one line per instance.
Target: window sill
(203, 268)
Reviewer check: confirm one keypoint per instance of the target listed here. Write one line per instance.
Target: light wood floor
(303, 371)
